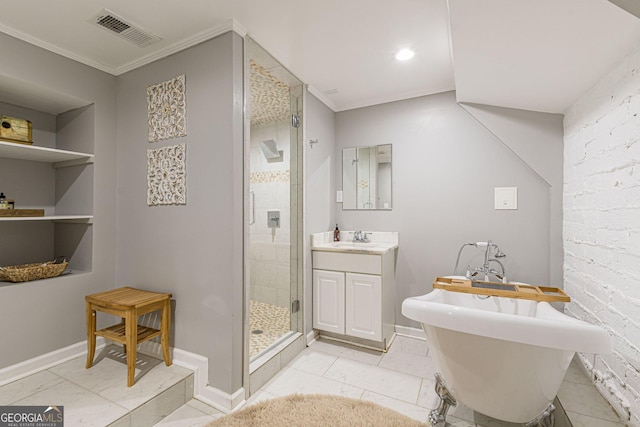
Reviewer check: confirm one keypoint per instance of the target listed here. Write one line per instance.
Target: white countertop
(380, 242)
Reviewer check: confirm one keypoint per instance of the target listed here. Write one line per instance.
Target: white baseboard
(201, 389)
(410, 332)
(220, 400)
(45, 361)
(198, 364)
(312, 336)
(400, 330)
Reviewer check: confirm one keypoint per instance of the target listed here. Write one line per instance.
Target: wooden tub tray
(497, 289)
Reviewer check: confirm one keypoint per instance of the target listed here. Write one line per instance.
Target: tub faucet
(485, 268)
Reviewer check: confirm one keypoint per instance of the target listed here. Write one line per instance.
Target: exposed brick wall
(601, 227)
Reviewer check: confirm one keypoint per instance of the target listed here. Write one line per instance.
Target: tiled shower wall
(270, 183)
(601, 227)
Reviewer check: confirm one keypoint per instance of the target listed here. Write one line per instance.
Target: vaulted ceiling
(537, 55)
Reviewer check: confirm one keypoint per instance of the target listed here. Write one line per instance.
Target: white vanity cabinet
(328, 301)
(363, 306)
(348, 303)
(354, 294)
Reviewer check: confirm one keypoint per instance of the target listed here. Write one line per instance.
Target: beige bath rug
(315, 410)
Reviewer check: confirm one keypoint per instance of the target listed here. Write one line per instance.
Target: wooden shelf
(58, 158)
(40, 281)
(117, 333)
(59, 218)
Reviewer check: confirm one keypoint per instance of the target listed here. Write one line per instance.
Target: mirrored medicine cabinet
(366, 177)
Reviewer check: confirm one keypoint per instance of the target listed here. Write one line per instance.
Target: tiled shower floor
(267, 323)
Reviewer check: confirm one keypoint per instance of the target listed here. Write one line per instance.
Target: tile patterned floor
(267, 323)
(99, 396)
(401, 379)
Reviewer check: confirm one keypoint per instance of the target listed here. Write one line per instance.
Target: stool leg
(91, 334)
(165, 327)
(124, 346)
(131, 331)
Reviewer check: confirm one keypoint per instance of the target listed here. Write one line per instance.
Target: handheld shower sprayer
(498, 254)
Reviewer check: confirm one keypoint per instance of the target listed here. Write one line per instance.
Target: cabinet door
(363, 315)
(328, 301)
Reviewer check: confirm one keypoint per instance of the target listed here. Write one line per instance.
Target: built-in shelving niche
(55, 174)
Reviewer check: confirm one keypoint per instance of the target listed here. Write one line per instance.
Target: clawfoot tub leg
(437, 416)
(545, 419)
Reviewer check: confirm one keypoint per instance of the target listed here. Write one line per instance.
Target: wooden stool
(128, 303)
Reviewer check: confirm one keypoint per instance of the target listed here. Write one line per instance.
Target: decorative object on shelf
(36, 271)
(15, 130)
(21, 212)
(3, 202)
(166, 176)
(167, 104)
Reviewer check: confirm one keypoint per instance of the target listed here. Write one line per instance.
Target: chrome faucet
(485, 268)
(359, 236)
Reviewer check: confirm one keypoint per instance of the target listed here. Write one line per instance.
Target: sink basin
(379, 243)
(353, 244)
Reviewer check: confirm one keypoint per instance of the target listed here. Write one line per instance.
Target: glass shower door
(275, 225)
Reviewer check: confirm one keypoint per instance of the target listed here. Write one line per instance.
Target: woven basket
(39, 270)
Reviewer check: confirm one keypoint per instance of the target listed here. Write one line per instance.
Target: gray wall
(445, 167)
(319, 184)
(42, 316)
(193, 251)
(537, 139)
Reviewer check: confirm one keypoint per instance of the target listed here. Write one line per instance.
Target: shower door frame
(296, 199)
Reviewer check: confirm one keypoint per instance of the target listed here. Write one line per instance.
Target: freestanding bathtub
(502, 357)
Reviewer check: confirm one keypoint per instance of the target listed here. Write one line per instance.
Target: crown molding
(55, 49)
(322, 98)
(230, 25)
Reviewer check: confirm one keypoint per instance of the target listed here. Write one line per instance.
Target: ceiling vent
(125, 30)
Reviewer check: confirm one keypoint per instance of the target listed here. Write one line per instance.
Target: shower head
(269, 149)
(499, 253)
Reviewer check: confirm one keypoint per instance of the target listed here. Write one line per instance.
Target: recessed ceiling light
(404, 54)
